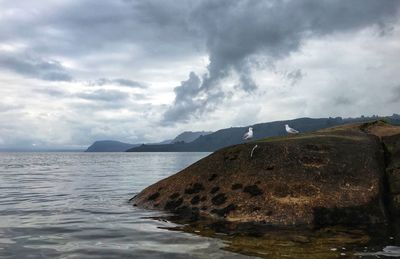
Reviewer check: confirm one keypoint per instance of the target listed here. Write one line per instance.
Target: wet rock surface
(392, 148)
(344, 175)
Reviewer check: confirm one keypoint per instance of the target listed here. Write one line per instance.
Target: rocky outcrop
(342, 175)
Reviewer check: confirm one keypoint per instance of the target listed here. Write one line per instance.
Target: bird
(290, 130)
(249, 134)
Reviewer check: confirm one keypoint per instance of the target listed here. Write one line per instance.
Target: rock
(237, 186)
(332, 176)
(253, 190)
(392, 147)
(395, 199)
(219, 199)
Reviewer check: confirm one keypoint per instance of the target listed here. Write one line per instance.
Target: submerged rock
(342, 175)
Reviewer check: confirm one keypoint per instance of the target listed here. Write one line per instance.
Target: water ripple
(74, 205)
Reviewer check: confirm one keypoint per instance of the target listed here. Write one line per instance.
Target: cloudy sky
(75, 71)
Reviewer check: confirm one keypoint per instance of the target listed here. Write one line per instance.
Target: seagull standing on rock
(249, 134)
(290, 130)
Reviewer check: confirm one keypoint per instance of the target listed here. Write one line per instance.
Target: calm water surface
(75, 205)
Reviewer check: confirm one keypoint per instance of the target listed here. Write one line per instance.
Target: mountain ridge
(189, 136)
(109, 146)
(118, 146)
(232, 136)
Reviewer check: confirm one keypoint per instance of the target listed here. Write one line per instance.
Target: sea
(75, 205)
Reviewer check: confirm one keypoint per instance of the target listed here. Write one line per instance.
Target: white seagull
(290, 130)
(249, 134)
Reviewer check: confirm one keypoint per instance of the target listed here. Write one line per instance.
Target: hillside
(189, 136)
(109, 146)
(117, 146)
(232, 136)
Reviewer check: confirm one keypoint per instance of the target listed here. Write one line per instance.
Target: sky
(76, 71)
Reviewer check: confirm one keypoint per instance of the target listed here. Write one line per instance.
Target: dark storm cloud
(118, 81)
(185, 99)
(188, 100)
(157, 29)
(49, 70)
(231, 30)
(236, 31)
(234, 34)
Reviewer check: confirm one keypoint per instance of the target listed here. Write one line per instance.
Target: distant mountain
(231, 136)
(117, 146)
(39, 149)
(110, 146)
(189, 136)
(168, 141)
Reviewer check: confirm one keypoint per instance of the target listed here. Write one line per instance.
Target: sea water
(75, 205)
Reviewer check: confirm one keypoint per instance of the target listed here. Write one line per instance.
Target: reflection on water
(74, 205)
(272, 242)
(388, 251)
